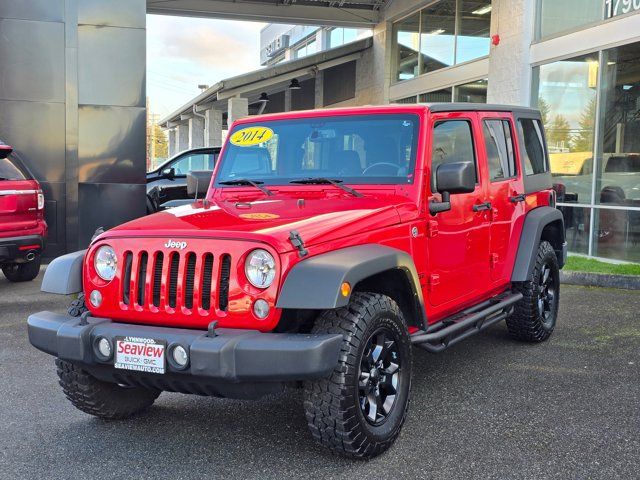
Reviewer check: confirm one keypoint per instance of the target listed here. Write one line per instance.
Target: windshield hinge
(298, 243)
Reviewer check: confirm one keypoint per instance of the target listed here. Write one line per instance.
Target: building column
(509, 61)
(196, 132)
(319, 93)
(173, 144)
(238, 108)
(287, 100)
(212, 128)
(183, 137)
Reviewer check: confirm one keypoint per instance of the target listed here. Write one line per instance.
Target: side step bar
(450, 331)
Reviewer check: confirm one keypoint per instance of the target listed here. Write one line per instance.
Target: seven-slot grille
(175, 280)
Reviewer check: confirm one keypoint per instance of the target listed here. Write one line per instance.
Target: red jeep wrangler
(328, 243)
(22, 225)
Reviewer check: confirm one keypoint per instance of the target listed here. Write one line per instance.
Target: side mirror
(451, 179)
(169, 173)
(198, 182)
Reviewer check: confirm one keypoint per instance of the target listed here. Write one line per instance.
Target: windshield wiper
(327, 181)
(246, 181)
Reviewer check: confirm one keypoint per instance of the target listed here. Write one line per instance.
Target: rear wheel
(102, 399)
(534, 317)
(22, 272)
(359, 409)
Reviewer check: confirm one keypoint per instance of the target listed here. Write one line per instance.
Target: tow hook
(298, 243)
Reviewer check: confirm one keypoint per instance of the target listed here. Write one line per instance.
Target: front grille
(154, 281)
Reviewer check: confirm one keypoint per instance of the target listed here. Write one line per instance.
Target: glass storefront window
(474, 20)
(407, 40)
(616, 234)
(618, 173)
(441, 35)
(473, 92)
(444, 95)
(576, 224)
(567, 101)
(437, 36)
(556, 16)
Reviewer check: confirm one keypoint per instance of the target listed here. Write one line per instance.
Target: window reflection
(567, 101)
(407, 40)
(618, 177)
(576, 224)
(473, 30)
(557, 16)
(474, 92)
(616, 234)
(437, 37)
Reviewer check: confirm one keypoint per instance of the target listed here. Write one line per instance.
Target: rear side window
(452, 142)
(10, 170)
(499, 143)
(533, 153)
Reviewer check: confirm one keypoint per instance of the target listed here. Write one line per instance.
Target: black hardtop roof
(478, 107)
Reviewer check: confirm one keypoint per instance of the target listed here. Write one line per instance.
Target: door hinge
(432, 228)
(493, 260)
(434, 279)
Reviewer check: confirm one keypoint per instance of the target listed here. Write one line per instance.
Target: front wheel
(534, 317)
(359, 409)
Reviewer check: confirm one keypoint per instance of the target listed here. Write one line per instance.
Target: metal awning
(268, 80)
(346, 13)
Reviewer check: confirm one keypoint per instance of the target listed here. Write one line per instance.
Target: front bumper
(17, 249)
(234, 363)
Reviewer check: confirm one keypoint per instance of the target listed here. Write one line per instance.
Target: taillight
(40, 200)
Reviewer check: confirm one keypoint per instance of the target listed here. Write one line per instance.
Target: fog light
(261, 308)
(95, 298)
(180, 356)
(104, 348)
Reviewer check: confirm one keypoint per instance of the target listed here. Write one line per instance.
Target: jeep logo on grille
(173, 244)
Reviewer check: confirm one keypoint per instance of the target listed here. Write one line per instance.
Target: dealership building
(577, 60)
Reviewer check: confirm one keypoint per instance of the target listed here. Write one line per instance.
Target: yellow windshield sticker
(259, 216)
(250, 136)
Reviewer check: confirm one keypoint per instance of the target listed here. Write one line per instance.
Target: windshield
(356, 149)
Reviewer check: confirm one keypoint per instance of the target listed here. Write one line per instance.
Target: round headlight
(106, 262)
(260, 268)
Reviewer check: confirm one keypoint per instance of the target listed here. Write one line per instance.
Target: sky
(184, 52)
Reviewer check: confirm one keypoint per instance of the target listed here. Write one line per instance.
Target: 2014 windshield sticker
(251, 136)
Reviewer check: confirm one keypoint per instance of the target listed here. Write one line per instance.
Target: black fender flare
(535, 222)
(314, 283)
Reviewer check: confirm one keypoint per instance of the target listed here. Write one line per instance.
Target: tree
(161, 146)
(583, 140)
(544, 108)
(559, 132)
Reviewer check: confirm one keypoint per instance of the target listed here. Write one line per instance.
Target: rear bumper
(17, 249)
(217, 365)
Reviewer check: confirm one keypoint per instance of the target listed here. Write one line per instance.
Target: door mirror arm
(436, 207)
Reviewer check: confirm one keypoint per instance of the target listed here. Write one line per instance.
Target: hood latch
(298, 243)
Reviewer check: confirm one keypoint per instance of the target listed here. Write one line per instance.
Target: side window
(198, 161)
(499, 144)
(533, 152)
(452, 142)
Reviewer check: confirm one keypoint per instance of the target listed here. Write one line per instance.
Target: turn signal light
(345, 289)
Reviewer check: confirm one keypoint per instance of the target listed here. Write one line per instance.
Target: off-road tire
(78, 306)
(22, 272)
(527, 323)
(102, 399)
(332, 405)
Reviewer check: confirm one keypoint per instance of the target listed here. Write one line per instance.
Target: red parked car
(329, 242)
(22, 226)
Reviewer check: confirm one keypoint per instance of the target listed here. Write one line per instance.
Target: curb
(627, 282)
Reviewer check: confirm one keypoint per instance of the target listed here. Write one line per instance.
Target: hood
(271, 219)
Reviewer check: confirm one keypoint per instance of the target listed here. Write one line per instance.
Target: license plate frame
(140, 354)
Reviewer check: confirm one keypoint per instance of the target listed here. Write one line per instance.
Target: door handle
(518, 198)
(482, 206)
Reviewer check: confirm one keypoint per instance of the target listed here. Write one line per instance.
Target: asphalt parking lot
(488, 408)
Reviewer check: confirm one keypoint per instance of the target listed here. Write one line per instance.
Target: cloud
(183, 52)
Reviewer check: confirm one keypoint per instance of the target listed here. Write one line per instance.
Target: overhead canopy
(268, 80)
(347, 13)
